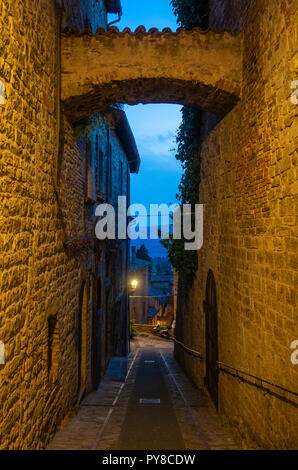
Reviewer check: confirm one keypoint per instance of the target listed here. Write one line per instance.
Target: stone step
(117, 369)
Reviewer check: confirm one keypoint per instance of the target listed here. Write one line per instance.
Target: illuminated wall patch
(2, 92)
(2, 353)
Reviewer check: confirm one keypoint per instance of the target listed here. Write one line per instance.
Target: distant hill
(154, 247)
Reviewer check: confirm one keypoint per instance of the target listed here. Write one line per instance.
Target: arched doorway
(82, 340)
(157, 80)
(210, 309)
(97, 333)
(107, 326)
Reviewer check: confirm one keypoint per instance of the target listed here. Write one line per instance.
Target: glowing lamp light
(134, 283)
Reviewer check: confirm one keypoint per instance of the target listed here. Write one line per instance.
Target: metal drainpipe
(116, 21)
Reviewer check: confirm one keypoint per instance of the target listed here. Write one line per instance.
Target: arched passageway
(194, 68)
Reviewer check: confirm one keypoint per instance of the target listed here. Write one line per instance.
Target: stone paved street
(114, 419)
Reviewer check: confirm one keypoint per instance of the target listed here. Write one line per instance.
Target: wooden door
(210, 308)
(82, 340)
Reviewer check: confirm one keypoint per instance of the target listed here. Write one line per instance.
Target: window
(98, 169)
(99, 293)
(89, 191)
(100, 176)
(121, 179)
(110, 173)
(53, 347)
(128, 183)
(109, 168)
(96, 164)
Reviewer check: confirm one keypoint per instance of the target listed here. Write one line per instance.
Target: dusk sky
(154, 126)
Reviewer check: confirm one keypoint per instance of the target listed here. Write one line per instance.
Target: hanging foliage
(190, 14)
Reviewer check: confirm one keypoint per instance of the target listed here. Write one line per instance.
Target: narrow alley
(148, 226)
(156, 408)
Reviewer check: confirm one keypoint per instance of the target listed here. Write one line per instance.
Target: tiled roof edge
(141, 30)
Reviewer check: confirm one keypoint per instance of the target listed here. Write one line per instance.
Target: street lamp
(133, 284)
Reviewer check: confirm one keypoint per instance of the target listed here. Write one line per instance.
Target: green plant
(188, 153)
(132, 329)
(190, 14)
(142, 253)
(185, 262)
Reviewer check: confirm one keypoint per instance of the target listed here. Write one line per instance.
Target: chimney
(133, 256)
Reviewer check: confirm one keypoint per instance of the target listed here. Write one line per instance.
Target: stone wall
(229, 15)
(31, 230)
(47, 248)
(144, 329)
(100, 70)
(249, 193)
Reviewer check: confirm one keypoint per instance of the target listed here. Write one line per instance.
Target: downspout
(116, 21)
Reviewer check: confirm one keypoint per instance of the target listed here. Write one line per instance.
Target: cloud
(157, 145)
(153, 119)
(154, 128)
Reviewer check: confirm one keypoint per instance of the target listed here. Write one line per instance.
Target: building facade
(139, 271)
(241, 310)
(63, 294)
(152, 301)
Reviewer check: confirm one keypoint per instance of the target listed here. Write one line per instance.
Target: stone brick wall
(163, 67)
(31, 231)
(249, 191)
(143, 329)
(228, 15)
(47, 250)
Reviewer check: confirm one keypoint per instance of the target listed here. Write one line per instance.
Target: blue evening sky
(154, 126)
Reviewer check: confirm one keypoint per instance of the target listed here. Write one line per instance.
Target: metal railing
(261, 380)
(189, 350)
(222, 365)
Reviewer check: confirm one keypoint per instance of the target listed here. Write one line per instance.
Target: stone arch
(195, 68)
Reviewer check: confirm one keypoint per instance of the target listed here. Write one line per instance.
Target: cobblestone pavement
(107, 418)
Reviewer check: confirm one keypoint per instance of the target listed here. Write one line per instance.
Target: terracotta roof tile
(140, 30)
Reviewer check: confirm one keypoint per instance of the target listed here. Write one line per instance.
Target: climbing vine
(190, 14)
